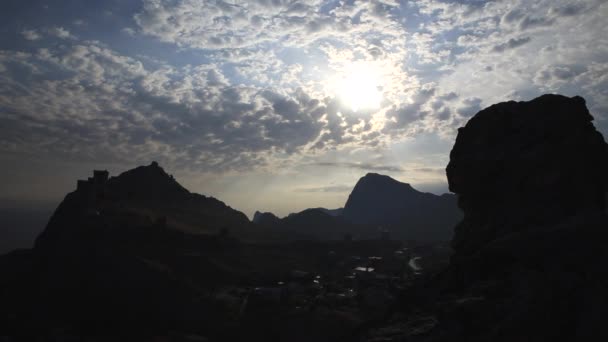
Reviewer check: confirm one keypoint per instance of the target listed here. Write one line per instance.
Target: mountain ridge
(410, 214)
(377, 203)
(140, 196)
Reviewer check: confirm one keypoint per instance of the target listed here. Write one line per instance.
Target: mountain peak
(148, 182)
(374, 175)
(376, 179)
(265, 218)
(377, 191)
(383, 201)
(135, 198)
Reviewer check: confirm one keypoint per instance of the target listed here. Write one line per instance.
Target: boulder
(530, 177)
(520, 165)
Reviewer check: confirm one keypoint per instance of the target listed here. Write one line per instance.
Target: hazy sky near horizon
(275, 105)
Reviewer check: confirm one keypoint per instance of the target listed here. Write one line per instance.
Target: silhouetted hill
(409, 214)
(377, 204)
(144, 195)
(318, 223)
(120, 250)
(313, 223)
(332, 212)
(146, 183)
(265, 219)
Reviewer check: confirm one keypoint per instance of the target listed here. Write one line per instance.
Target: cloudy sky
(275, 105)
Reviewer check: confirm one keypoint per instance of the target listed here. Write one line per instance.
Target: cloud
(242, 85)
(210, 24)
(470, 107)
(511, 44)
(129, 31)
(529, 22)
(329, 188)
(109, 107)
(431, 170)
(31, 34)
(361, 166)
(568, 9)
(400, 117)
(553, 76)
(57, 31)
(60, 33)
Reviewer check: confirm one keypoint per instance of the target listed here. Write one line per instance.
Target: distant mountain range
(141, 247)
(147, 195)
(377, 205)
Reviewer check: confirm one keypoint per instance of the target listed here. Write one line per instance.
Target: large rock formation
(408, 213)
(520, 165)
(530, 254)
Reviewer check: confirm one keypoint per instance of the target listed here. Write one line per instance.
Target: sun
(359, 87)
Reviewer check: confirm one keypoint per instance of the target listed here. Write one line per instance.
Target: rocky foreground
(530, 256)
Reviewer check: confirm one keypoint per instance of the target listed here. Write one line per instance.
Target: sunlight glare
(360, 88)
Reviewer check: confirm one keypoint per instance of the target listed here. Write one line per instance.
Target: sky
(275, 105)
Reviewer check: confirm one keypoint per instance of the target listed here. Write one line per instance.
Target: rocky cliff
(380, 200)
(520, 165)
(530, 254)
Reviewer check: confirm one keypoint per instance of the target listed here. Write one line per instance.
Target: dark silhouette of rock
(378, 207)
(313, 223)
(409, 214)
(318, 223)
(332, 212)
(530, 253)
(139, 196)
(265, 219)
(519, 165)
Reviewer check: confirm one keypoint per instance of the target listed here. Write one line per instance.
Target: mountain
(142, 196)
(270, 219)
(312, 223)
(377, 204)
(319, 223)
(125, 250)
(265, 219)
(332, 212)
(408, 213)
